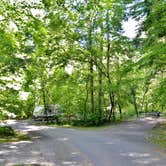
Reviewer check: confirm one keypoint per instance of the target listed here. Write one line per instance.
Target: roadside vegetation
(158, 135)
(7, 134)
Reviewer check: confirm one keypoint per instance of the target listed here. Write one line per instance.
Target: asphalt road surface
(121, 145)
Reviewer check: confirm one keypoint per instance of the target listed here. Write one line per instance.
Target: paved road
(121, 145)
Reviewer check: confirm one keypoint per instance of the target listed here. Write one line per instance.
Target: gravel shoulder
(122, 145)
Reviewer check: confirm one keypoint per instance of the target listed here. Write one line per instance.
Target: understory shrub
(6, 131)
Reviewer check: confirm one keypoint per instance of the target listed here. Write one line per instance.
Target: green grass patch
(158, 135)
(7, 134)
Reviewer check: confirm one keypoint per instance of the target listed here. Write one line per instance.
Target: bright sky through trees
(130, 27)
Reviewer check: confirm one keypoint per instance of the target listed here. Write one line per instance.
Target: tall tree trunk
(100, 79)
(91, 76)
(44, 97)
(86, 100)
(112, 110)
(120, 109)
(108, 46)
(100, 94)
(91, 86)
(111, 95)
(143, 99)
(133, 93)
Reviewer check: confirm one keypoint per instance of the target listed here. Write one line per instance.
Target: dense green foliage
(6, 131)
(8, 134)
(74, 53)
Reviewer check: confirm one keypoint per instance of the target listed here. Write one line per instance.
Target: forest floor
(124, 144)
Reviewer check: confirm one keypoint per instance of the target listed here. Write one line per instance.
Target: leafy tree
(40, 41)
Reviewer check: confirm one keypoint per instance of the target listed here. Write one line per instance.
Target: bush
(6, 131)
(92, 119)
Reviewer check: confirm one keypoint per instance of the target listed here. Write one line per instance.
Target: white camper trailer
(52, 112)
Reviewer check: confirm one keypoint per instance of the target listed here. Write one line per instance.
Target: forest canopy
(75, 54)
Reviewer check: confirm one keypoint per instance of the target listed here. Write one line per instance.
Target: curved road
(122, 145)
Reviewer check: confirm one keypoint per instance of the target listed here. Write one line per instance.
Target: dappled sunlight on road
(63, 139)
(141, 158)
(31, 163)
(45, 148)
(147, 161)
(13, 147)
(124, 144)
(22, 149)
(36, 137)
(135, 154)
(71, 163)
(4, 152)
(109, 143)
(9, 151)
(25, 125)
(74, 153)
(21, 142)
(34, 128)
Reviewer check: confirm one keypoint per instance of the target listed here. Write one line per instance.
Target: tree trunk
(111, 95)
(112, 111)
(86, 100)
(100, 94)
(133, 93)
(100, 81)
(108, 45)
(120, 110)
(91, 85)
(44, 97)
(91, 77)
(143, 99)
